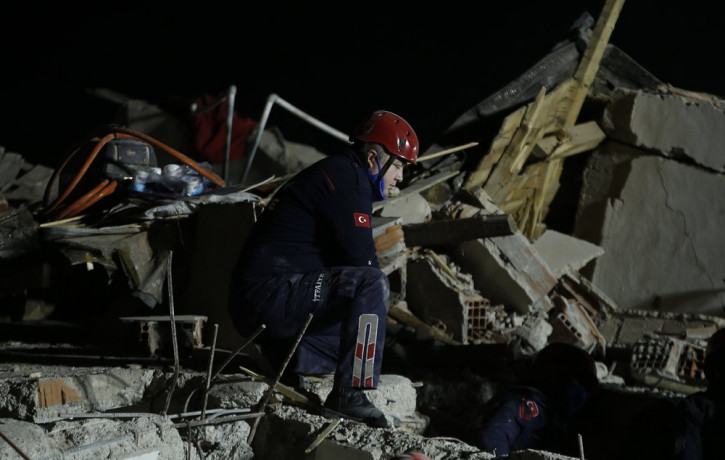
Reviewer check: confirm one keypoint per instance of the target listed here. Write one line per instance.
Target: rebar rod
(323, 435)
(238, 350)
(14, 446)
(268, 394)
(219, 420)
(229, 359)
(170, 288)
(208, 374)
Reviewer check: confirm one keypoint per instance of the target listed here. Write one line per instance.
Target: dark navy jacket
(321, 218)
(517, 419)
(699, 427)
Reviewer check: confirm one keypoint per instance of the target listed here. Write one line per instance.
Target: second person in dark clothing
(535, 414)
(699, 419)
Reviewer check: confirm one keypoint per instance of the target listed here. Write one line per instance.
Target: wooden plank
(402, 314)
(510, 124)
(451, 231)
(546, 124)
(589, 65)
(570, 141)
(283, 389)
(447, 151)
(517, 152)
(551, 180)
(571, 97)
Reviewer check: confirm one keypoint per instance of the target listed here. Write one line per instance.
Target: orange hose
(78, 176)
(106, 187)
(129, 133)
(95, 194)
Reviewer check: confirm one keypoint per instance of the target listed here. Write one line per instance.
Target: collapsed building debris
(479, 282)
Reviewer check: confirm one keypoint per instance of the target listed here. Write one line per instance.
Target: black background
(334, 61)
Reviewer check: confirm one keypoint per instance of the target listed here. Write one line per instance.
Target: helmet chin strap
(378, 178)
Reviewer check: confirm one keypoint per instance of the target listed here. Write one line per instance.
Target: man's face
(392, 176)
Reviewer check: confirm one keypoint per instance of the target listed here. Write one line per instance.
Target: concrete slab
(67, 391)
(564, 253)
(507, 270)
(91, 439)
(660, 224)
(671, 124)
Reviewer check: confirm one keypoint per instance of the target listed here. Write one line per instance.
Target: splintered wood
(522, 168)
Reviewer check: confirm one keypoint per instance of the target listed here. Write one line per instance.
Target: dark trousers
(346, 335)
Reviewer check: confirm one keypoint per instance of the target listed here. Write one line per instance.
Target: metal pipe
(121, 415)
(312, 120)
(103, 442)
(230, 120)
(306, 117)
(219, 420)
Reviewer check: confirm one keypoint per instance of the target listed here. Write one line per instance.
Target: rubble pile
(578, 204)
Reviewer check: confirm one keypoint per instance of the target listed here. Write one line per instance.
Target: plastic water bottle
(192, 185)
(139, 180)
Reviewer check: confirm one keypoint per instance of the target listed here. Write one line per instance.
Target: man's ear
(370, 156)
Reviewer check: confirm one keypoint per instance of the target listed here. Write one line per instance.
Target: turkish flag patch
(528, 409)
(362, 220)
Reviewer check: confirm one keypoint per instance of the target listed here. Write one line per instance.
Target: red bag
(210, 131)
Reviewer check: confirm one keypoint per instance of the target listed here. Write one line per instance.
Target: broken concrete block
(152, 437)
(669, 363)
(226, 440)
(572, 324)
(290, 429)
(673, 125)
(412, 208)
(28, 188)
(26, 436)
(10, 166)
(660, 224)
(395, 396)
(564, 253)
(535, 331)
(507, 270)
(236, 393)
(69, 393)
(622, 329)
(445, 298)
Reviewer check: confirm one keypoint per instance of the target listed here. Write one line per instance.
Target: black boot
(353, 404)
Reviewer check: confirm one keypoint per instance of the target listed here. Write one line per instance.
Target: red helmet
(390, 130)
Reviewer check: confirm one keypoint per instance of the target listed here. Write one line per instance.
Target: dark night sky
(429, 65)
